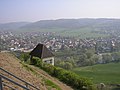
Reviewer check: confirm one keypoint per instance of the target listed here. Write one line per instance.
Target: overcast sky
(35, 10)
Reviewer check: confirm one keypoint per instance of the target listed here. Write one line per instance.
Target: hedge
(67, 77)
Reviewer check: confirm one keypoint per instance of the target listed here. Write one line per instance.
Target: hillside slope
(10, 63)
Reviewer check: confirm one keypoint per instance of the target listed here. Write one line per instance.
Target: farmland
(81, 33)
(106, 73)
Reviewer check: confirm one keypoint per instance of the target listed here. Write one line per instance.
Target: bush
(24, 56)
(70, 78)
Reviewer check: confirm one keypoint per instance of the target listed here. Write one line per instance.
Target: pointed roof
(41, 51)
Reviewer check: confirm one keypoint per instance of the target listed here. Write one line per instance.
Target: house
(42, 52)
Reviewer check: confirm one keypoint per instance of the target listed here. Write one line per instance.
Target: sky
(35, 10)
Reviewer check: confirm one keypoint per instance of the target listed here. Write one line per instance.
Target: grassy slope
(106, 73)
(31, 74)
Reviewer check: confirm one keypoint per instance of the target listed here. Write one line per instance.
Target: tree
(68, 65)
(82, 60)
(24, 56)
(90, 53)
(106, 58)
(116, 56)
(95, 59)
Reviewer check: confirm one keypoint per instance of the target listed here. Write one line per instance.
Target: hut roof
(41, 51)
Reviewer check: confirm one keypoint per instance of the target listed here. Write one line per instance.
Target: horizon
(36, 10)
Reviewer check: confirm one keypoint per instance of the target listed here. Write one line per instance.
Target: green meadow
(102, 73)
(81, 33)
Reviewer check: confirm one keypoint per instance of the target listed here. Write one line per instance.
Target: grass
(51, 84)
(106, 73)
(85, 32)
(29, 68)
(80, 33)
(46, 81)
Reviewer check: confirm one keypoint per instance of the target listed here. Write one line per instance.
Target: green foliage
(66, 65)
(24, 56)
(50, 83)
(82, 60)
(90, 53)
(35, 61)
(95, 58)
(106, 58)
(67, 77)
(76, 57)
(116, 56)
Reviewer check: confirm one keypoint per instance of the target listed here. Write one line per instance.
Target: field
(105, 73)
(77, 33)
(81, 33)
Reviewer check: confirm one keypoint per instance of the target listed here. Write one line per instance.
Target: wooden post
(1, 86)
(31, 61)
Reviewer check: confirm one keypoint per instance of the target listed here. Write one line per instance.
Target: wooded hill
(64, 24)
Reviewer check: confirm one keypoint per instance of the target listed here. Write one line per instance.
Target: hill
(31, 74)
(12, 25)
(74, 23)
(106, 73)
(64, 24)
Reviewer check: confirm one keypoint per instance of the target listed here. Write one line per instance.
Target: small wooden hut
(42, 52)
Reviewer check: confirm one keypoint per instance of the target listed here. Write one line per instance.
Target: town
(25, 42)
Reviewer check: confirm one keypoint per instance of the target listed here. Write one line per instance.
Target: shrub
(68, 77)
(24, 56)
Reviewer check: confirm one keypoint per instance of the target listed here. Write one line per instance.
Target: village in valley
(25, 42)
(79, 49)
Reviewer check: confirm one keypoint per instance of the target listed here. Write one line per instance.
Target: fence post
(26, 85)
(1, 86)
